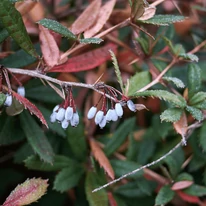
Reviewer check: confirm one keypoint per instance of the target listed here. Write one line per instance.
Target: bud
(60, 114)
(118, 109)
(99, 116)
(114, 115)
(131, 105)
(103, 122)
(56, 108)
(65, 124)
(8, 101)
(53, 117)
(75, 120)
(21, 91)
(109, 115)
(69, 113)
(91, 113)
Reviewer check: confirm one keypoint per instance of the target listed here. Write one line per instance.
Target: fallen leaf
(101, 158)
(181, 185)
(149, 12)
(188, 198)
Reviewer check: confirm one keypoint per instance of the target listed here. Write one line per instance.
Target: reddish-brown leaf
(86, 61)
(104, 14)
(87, 18)
(101, 158)
(26, 193)
(49, 47)
(112, 201)
(31, 107)
(188, 198)
(25, 7)
(181, 185)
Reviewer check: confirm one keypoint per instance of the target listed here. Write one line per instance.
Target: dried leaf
(49, 47)
(181, 185)
(25, 6)
(140, 107)
(188, 198)
(101, 158)
(149, 12)
(86, 61)
(87, 18)
(26, 193)
(31, 107)
(104, 14)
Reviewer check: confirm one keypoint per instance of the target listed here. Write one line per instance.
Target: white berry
(56, 108)
(53, 117)
(64, 124)
(109, 115)
(131, 105)
(91, 113)
(118, 109)
(69, 113)
(8, 101)
(99, 116)
(21, 91)
(75, 120)
(60, 115)
(103, 122)
(114, 116)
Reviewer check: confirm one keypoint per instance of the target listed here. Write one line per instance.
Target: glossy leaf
(171, 115)
(13, 22)
(36, 137)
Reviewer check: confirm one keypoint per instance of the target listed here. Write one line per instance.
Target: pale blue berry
(103, 122)
(99, 116)
(114, 116)
(21, 91)
(64, 124)
(53, 117)
(69, 113)
(8, 101)
(75, 120)
(131, 105)
(56, 108)
(118, 109)
(60, 115)
(109, 115)
(91, 113)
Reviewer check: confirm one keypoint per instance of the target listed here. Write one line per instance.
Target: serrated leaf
(94, 198)
(27, 192)
(2, 99)
(91, 41)
(178, 82)
(164, 196)
(194, 79)
(163, 20)
(59, 162)
(117, 70)
(191, 57)
(196, 190)
(57, 27)
(165, 95)
(201, 105)
(36, 137)
(202, 137)
(119, 136)
(68, 178)
(171, 115)
(198, 98)
(196, 113)
(12, 21)
(138, 81)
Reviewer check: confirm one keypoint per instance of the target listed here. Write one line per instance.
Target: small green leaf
(164, 196)
(95, 198)
(119, 136)
(198, 98)
(190, 57)
(196, 113)
(165, 95)
(35, 163)
(164, 20)
(68, 178)
(57, 27)
(138, 81)
(36, 137)
(179, 83)
(117, 70)
(201, 105)
(170, 44)
(123, 167)
(91, 41)
(194, 79)
(2, 99)
(171, 115)
(144, 43)
(13, 23)
(178, 48)
(184, 176)
(195, 190)
(202, 137)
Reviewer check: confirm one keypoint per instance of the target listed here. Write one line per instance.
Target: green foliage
(202, 136)
(3, 35)
(198, 98)
(171, 115)
(195, 190)
(196, 113)
(176, 81)
(2, 99)
(144, 44)
(190, 57)
(91, 41)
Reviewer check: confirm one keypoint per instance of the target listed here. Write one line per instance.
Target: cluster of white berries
(102, 117)
(8, 101)
(65, 116)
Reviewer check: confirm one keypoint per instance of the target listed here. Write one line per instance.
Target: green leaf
(190, 57)
(171, 115)
(132, 148)
(59, 162)
(119, 136)
(146, 186)
(165, 95)
(122, 167)
(163, 20)
(3, 35)
(144, 43)
(184, 176)
(91, 41)
(170, 44)
(178, 48)
(196, 113)
(201, 105)
(179, 83)
(68, 178)
(117, 70)
(12, 21)
(164, 196)
(57, 27)
(194, 79)
(195, 190)
(198, 98)
(95, 198)
(2, 99)
(138, 81)
(202, 137)
(36, 137)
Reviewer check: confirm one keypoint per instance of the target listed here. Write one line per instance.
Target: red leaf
(31, 107)
(86, 61)
(112, 201)
(49, 47)
(181, 185)
(188, 198)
